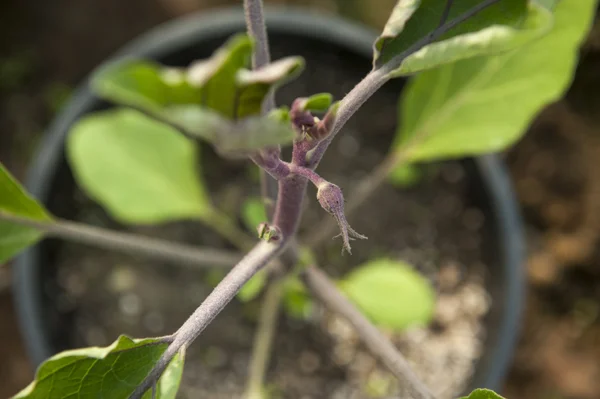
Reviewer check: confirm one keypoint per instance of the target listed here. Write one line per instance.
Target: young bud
(332, 200)
(268, 233)
(323, 128)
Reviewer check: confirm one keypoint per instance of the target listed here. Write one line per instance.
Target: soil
(435, 225)
(57, 42)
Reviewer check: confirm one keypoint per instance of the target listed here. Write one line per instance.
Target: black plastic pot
(198, 35)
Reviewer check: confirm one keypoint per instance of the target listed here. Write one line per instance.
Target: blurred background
(47, 47)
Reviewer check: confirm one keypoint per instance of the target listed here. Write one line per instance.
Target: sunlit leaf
(500, 27)
(483, 394)
(390, 293)
(111, 372)
(139, 170)
(485, 104)
(254, 85)
(14, 201)
(317, 102)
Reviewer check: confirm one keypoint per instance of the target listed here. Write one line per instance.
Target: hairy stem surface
(379, 345)
(128, 243)
(223, 293)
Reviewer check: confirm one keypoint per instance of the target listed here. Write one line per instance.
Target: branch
(379, 76)
(376, 342)
(256, 27)
(128, 243)
(263, 339)
(223, 293)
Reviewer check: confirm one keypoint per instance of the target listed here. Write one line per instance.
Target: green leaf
(405, 176)
(14, 201)
(253, 287)
(139, 170)
(500, 27)
(483, 394)
(111, 372)
(253, 213)
(485, 104)
(317, 102)
(297, 302)
(390, 293)
(254, 85)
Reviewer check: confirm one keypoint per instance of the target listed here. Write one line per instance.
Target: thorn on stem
(332, 200)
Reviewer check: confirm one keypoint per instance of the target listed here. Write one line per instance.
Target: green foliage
(110, 372)
(317, 102)
(296, 300)
(500, 27)
(485, 104)
(405, 176)
(253, 287)
(141, 171)
(207, 99)
(14, 201)
(391, 293)
(253, 213)
(483, 394)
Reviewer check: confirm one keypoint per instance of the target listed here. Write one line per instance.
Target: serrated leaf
(483, 394)
(254, 85)
(390, 293)
(15, 201)
(485, 104)
(500, 27)
(141, 171)
(111, 372)
(317, 102)
(253, 213)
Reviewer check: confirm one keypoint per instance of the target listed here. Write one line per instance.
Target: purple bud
(332, 200)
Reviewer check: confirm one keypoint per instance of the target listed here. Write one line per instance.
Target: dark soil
(432, 226)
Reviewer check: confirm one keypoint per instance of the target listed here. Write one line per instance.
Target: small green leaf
(254, 85)
(140, 170)
(111, 372)
(145, 85)
(485, 104)
(14, 201)
(405, 176)
(253, 213)
(297, 302)
(317, 102)
(391, 293)
(500, 27)
(483, 394)
(253, 287)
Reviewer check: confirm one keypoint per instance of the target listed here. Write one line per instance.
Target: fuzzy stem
(223, 293)
(128, 243)
(380, 75)
(267, 326)
(379, 345)
(256, 27)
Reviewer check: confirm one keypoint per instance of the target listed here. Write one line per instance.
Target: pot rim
(185, 31)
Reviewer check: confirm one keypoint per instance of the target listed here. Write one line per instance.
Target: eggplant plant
(480, 71)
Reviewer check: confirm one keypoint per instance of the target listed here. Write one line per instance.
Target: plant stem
(223, 293)
(376, 342)
(381, 74)
(222, 224)
(128, 243)
(267, 325)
